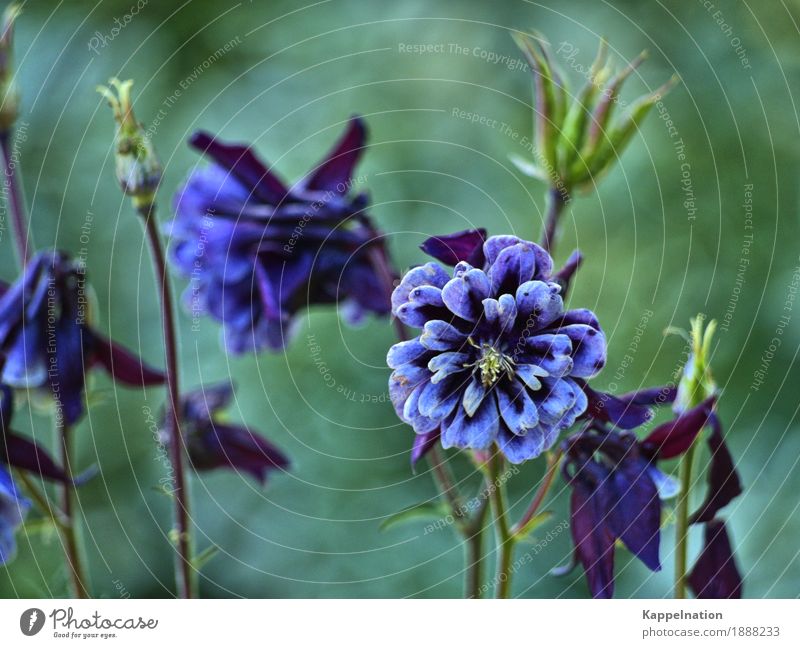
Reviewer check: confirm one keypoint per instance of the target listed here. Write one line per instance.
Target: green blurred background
(291, 75)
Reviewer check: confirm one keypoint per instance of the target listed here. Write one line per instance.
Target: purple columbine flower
(18, 452)
(498, 360)
(46, 341)
(617, 488)
(258, 251)
(213, 444)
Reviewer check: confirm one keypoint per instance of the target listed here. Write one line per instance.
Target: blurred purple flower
(257, 251)
(18, 452)
(212, 444)
(46, 342)
(498, 359)
(13, 508)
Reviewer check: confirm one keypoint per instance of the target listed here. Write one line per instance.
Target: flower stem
(14, 198)
(682, 523)
(556, 200)
(45, 506)
(473, 552)
(505, 540)
(69, 533)
(184, 572)
(553, 460)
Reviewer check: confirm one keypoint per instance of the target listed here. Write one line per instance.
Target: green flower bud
(138, 168)
(9, 95)
(577, 141)
(696, 383)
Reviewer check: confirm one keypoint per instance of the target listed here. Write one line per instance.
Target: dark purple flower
(498, 359)
(22, 453)
(46, 342)
(715, 575)
(213, 444)
(617, 486)
(258, 251)
(18, 452)
(616, 495)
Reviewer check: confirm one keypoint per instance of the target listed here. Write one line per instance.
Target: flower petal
(723, 479)
(593, 539)
(715, 574)
(539, 304)
(588, 349)
(336, 169)
(464, 294)
(441, 336)
(242, 163)
(517, 408)
(477, 432)
(123, 365)
(673, 438)
(405, 352)
(461, 246)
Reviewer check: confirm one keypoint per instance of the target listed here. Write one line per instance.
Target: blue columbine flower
(258, 251)
(212, 443)
(499, 360)
(46, 341)
(617, 488)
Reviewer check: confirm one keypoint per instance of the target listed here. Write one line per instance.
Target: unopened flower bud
(696, 383)
(9, 95)
(138, 168)
(575, 143)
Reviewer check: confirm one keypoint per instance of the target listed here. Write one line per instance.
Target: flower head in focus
(499, 360)
(46, 341)
(577, 139)
(258, 251)
(212, 443)
(138, 168)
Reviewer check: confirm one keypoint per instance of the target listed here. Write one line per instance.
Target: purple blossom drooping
(498, 359)
(46, 341)
(258, 251)
(212, 443)
(617, 487)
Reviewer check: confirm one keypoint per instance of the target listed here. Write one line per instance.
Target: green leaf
(423, 510)
(202, 559)
(531, 525)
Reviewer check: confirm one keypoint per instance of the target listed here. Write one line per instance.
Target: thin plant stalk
(556, 201)
(184, 572)
(15, 200)
(682, 523)
(505, 540)
(69, 532)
